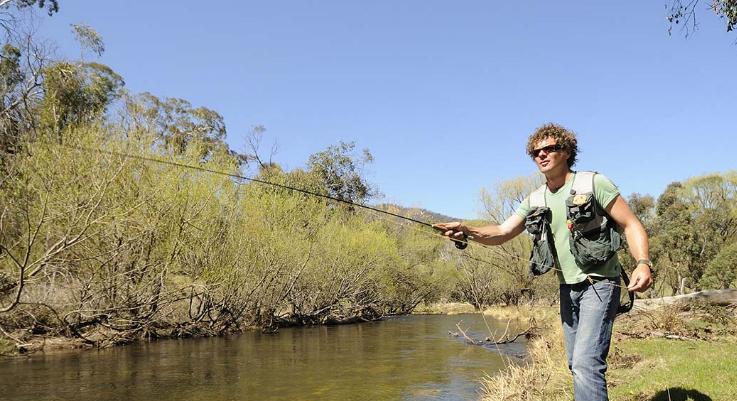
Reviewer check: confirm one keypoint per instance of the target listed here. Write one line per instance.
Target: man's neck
(557, 180)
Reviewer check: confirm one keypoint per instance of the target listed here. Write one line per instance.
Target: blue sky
(443, 93)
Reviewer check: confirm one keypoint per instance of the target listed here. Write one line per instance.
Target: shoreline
(42, 344)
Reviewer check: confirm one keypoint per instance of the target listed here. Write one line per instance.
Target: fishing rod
(459, 243)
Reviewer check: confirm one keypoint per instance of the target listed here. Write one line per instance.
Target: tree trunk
(712, 297)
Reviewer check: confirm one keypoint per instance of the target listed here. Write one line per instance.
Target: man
(572, 218)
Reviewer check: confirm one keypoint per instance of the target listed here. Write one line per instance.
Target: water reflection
(407, 358)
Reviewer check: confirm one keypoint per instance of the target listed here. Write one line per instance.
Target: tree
(695, 220)
(340, 172)
(721, 272)
(88, 39)
(673, 244)
(683, 14)
(23, 59)
(11, 78)
(52, 6)
(253, 141)
(177, 123)
(76, 93)
(643, 206)
(9, 19)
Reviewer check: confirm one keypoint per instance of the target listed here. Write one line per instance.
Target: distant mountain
(416, 213)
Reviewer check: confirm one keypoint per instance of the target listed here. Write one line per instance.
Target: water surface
(405, 358)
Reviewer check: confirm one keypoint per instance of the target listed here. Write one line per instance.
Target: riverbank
(23, 342)
(675, 352)
(444, 308)
(32, 343)
(45, 343)
(50, 344)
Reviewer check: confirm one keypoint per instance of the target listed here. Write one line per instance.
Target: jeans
(587, 312)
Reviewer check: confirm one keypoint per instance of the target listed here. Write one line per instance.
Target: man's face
(549, 157)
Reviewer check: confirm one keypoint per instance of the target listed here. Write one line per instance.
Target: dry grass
(444, 308)
(523, 313)
(641, 342)
(544, 376)
(685, 321)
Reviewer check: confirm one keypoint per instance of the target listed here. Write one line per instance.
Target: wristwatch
(647, 262)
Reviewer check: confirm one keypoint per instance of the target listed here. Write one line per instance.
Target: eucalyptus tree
(695, 220)
(177, 123)
(721, 272)
(340, 170)
(76, 94)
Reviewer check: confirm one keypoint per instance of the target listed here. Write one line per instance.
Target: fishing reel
(461, 243)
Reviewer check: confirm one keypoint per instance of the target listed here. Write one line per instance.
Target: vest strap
(583, 182)
(537, 197)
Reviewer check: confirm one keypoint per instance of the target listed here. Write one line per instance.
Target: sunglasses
(547, 149)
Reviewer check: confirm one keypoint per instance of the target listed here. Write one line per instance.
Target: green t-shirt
(570, 273)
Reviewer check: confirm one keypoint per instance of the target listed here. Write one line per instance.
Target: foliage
(107, 249)
(694, 221)
(726, 9)
(683, 14)
(643, 206)
(177, 124)
(52, 6)
(77, 93)
(11, 76)
(22, 61)
(721, 272)
(340, 172)
(89, 39)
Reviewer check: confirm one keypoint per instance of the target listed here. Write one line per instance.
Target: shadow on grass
(680, 394)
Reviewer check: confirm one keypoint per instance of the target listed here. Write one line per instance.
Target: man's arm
(493, 234)
(636, 239)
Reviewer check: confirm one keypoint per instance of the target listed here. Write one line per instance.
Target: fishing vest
(594, 237)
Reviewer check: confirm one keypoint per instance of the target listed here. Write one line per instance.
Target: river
(404, 358)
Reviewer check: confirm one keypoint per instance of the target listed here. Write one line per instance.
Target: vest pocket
(581, 214)
(542, 258)
(595, 247)
(537, 219)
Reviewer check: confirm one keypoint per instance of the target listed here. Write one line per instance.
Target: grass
(644, 365)
(689, 370)
(545, 375)
(444, 308)
(7, 347)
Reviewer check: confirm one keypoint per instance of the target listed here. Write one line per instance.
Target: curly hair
(563, 137)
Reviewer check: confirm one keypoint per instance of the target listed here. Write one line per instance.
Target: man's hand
(642, 278)
(453, 229)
